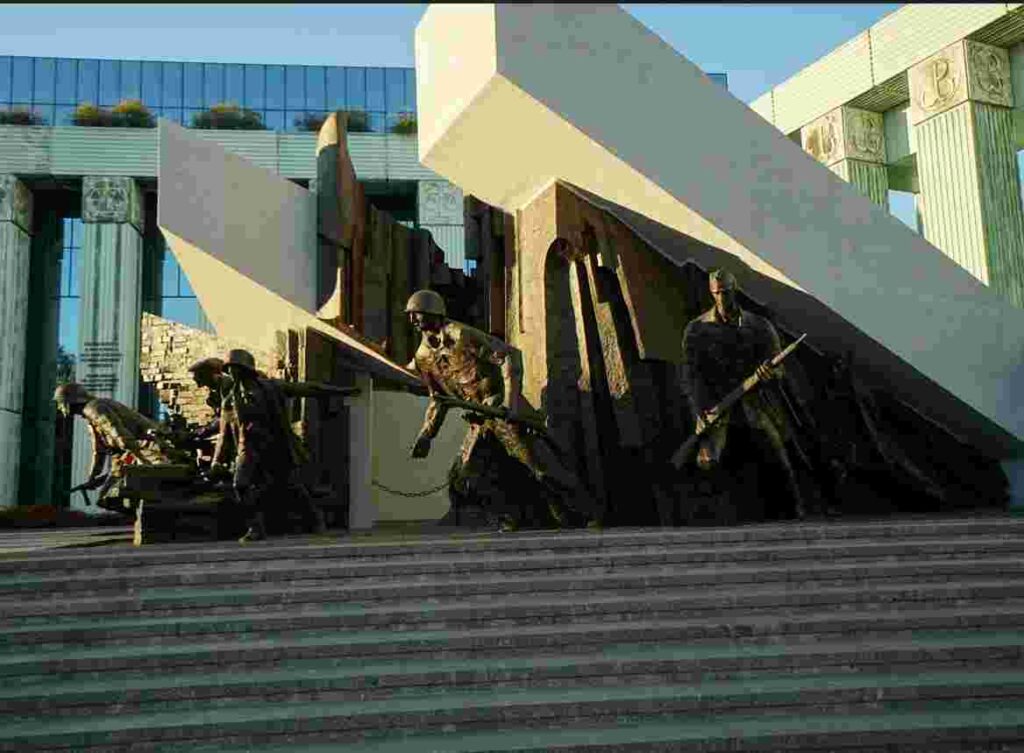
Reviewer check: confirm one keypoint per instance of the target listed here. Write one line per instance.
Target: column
(111, 290)
(851, 143)
(15, 240)
(960, 109)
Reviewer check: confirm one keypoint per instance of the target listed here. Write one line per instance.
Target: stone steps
(880, 635)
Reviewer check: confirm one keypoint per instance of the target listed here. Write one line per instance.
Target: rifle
(679, 456)
(88, 485)
(492, 412)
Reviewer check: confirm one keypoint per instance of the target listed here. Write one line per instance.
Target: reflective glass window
(152, 84)
(375, 89)
(274, 120)
(184, 289)
(169, 277)
(377, 122)
(295, 87)
(410, 89)
(63, 115)
(191, 113)
(293, 120)
(45, 112)
(5, 78)
(183, 310)
(173, 113)
(66, 75)
(254, 87)
(44, 79)
(394, 83)
(88, 81)
(355, 88)
(21, 88)
(110, 93)
(131, 79)
(213, 84)
(193, 90)
(275, 87)
(335, 89)
(172, 85)
(234, 84)
(315, 99)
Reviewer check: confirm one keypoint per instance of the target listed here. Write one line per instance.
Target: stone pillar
(851, 143)
(15, 240)
(967, 163)
(110, 278)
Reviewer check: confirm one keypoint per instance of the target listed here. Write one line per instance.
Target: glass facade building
(282, 94)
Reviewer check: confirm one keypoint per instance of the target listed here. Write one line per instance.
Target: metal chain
(410, 494)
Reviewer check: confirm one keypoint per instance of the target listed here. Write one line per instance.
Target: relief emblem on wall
(15, 203)
(440, 203)
(822, 139)
(845, 133)
(965, 70)
(989, 71)
(111, 200)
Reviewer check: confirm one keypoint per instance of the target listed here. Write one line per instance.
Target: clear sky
(758, 46)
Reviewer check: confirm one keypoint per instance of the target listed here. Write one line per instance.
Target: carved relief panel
(440, 203)
(965, 70)
(107, 199)
(845, 133)
(15, 202)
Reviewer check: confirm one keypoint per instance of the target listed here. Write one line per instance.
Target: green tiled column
(851, 143)
(110, 280)
(967, 162)
(15, 242)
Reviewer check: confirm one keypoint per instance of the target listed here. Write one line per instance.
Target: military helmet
(726, 280)
(241, 358)
(71, 393)
(213, 364)
(426, 302)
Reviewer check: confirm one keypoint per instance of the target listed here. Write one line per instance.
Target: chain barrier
(426, 493)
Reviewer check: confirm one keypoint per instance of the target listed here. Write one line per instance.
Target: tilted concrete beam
(512, 97)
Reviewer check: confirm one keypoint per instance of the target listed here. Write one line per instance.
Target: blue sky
(757, 45)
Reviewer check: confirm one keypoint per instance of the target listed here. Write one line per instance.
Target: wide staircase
(895, 635)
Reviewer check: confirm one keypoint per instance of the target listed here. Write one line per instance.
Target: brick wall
(169, 348)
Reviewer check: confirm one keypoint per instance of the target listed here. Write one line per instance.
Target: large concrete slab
(512, 97)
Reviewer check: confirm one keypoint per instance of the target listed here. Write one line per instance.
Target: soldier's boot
(256, 530)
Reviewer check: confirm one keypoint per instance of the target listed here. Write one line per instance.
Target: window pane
(335, 89)
(66, 75)
(275, 87)
(63, 116)
(43, 87)
(394, 79)
(254, 88)
(410, 89)
(173, 113)
(45, 112)
(182, 310)
(290, 117)
(375, 89)
(152, 84)
(21, 91)
(88, 81)
(169, 276)
(213, 85)
(172, 88)
(234, 84)
(377, 123)
(295, 87)
(109, 85)
(355, 88)
(274, 120)
(315, 99)
(131, 79)
(5, 78)
(184, 289)
(193, 84)
(190, 115)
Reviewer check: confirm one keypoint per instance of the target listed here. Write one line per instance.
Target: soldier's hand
(95, 483)
(766, 372)
(421, 447)
(707, 418)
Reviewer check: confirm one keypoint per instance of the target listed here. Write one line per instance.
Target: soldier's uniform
(461, 361)
(717, 356)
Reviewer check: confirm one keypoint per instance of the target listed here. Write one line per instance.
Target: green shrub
(358, 121)
(228, 116)
(21, 117)
(131, 113)
(406, 124)
(310, 121)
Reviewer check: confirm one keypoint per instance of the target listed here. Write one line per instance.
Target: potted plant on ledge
(228, 116)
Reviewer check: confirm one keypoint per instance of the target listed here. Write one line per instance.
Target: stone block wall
(169, 348)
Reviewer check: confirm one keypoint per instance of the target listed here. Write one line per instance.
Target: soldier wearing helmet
(267, 453)
(460, 361)
(116, 431)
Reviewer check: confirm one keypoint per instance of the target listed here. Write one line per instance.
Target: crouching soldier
(457, 361)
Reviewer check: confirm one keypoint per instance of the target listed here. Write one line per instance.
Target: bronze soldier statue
(457, 361)
(721, 348)
(118, 432)
(267, 452)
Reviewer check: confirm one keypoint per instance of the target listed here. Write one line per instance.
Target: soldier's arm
(696, 395)
(98, 455)
(222, 437)
(510, 359)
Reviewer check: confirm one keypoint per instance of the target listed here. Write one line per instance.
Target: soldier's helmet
(71, 393)
(212, 365)
(723, 279)
(426, 302)
(241, 358)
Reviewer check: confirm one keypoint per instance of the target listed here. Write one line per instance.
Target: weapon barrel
(487, 410)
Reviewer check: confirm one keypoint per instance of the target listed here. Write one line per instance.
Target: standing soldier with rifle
(730, 350)
(118, 432)
(466, 368)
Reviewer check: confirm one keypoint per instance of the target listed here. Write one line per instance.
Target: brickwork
(169, 348)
